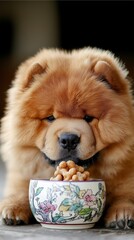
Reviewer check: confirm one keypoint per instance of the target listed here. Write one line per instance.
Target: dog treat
(69, 171)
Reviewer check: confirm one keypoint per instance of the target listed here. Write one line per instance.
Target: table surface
(36, 231)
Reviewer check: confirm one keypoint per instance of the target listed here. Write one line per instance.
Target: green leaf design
(38, 191)
(85, 211)
(88, 217)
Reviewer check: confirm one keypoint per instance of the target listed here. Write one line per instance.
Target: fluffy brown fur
(87, 94)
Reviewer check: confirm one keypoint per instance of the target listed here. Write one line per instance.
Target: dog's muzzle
(68, 143)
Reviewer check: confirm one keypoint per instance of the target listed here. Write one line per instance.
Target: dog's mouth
(84, 163)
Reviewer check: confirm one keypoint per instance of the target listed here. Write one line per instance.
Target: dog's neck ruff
(84, 163)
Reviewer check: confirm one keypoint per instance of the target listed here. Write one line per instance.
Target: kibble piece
(71, 164)
(72, 171)
(63, 164)
(75, 177)
(80, 169)
(59, 177)
(68, 178)
(87, 174)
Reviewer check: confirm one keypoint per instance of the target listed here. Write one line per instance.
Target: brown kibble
(56, 173)
(59, 177)
(84, 176)
(80, 169)
(72, 171)
(69, 171)
(87, 173)
(63, 164)
(67, 178)
(75, 177)
(79, 174)
(63, 171)
(71, 164)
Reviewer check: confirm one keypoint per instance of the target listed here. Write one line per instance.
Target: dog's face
(74, 106)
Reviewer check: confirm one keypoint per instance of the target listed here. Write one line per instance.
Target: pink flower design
(89, 198)
(47, 207)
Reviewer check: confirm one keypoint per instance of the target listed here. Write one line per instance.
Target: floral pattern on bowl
(67, 203)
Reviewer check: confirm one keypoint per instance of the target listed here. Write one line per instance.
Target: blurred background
(27, 26)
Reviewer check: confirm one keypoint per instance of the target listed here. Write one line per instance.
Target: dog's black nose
(69, 141)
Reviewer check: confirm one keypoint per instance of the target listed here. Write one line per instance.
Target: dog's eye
(50, 118)
(88, 118)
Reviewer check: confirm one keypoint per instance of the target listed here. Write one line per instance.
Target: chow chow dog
(74, 105)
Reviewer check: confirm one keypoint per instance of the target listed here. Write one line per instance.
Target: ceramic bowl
(67, 204)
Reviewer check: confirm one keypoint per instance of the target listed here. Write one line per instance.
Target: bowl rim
(62, 181)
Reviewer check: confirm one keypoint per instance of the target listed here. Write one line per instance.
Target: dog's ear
(35, 69)
(106, 72)
(27, 72)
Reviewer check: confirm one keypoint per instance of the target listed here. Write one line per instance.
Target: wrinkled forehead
(70, 93)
